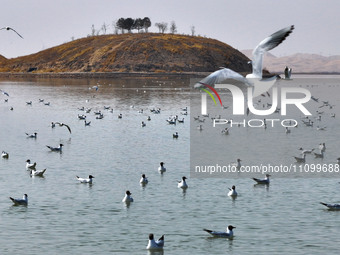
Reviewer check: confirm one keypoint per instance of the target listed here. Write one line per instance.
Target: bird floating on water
(30, 165)
(301, 159)
(143, 179)
(232, 192)
(4, 154)
(255, 78)
(331, 206)
(175, 135)
(39, 173)
(57, 149)
(34, 135)
(183, 184)
(9, 28)
(161, 168)
(20, 201)
(85, 180)
(229, 232)
(155, 245)
(287, 73)
(127, 198)
(263, 181)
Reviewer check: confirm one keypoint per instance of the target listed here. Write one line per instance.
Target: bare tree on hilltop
(173, 27)
(162, 26)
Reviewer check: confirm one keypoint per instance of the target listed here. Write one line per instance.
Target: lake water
(64, 216)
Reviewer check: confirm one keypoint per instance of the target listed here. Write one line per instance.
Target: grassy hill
(147, 52)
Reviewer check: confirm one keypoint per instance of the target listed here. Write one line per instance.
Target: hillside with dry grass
(147, 52)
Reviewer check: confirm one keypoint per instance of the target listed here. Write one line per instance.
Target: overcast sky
(239, 23)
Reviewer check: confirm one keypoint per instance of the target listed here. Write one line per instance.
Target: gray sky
(239, 23)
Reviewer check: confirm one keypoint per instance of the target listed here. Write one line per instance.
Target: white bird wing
(266, 45)
(221, 75)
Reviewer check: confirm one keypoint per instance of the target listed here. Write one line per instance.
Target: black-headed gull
(232, 192)
(229, 232)
(9, 28)
(143, 179)
(303, 151)
(34, 135)
(155, 245)
(4, 154)
(57, 149)
(20, 201)
(63, 125)
(30, 165)
(127, 198)
(161, 168)
(4, 92)
(301, 159)
(85, 180)
(182, 184)
(255, 78)
(263, 181)
(39, 173)
(331, 206)
(287, 73)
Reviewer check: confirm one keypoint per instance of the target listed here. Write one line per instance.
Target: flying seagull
(9, 28)
(63, 124)
(255, 78)
(4, 92)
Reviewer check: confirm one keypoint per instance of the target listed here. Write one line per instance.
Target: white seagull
(263, 181)
(30, 165)
(85, 180)
(20, 201)
(4, 92)
(332, 206)
(301, 159)
(306, 151)
(182, 184)
(63, 125)
(288, 73)
(127, 198)
(322, 147)
(237, 164)
(9, 28)
(229, 232)
(155, 245)
(39, 173)
(161, 168)
(143, 180)
(57, 149)
(34, 135)
(4, 154)
(255, 78)
(318, 155)
(232, 192)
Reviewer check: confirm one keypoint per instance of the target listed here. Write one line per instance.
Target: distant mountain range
(300, 63)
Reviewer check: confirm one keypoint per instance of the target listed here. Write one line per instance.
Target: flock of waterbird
(254, 79)
(127, 199)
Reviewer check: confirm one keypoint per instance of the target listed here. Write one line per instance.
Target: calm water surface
(66, 217)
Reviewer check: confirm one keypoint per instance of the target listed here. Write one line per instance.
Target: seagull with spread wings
(9, 28)
(255, 78)
(63, 124)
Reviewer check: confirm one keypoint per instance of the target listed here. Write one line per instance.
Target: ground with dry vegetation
(147, 52)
